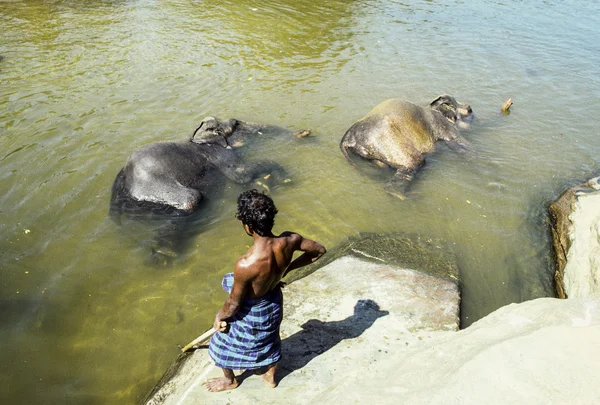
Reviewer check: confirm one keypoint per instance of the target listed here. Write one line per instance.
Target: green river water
(85, 319)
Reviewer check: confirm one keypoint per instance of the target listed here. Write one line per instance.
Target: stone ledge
(349, 315)
(543, 351)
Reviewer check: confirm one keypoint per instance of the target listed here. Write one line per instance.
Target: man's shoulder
(289, 234)
(291, 237)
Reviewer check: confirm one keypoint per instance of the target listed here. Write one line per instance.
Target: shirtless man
(247, 326)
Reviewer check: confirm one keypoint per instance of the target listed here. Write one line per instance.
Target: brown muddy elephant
(398, 134)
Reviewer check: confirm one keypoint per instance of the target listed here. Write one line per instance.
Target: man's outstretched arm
(312, 252)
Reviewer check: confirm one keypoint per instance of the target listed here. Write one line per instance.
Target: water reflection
(308, 41)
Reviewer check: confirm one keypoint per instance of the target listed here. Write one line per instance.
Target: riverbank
(340, 322)
(368, 327)
(539, 352)
(575, 220)
(379, 323)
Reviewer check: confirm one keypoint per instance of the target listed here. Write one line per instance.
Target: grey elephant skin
(177, 181)
(175, 177)
(397, 134)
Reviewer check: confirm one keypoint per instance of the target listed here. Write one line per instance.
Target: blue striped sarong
(252, 339)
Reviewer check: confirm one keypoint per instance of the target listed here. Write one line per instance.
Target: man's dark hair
(257, 210)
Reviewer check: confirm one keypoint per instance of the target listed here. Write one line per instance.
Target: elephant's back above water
(403, 122)
(183, 161)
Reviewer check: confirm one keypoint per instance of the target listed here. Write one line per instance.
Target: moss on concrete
(401, 250)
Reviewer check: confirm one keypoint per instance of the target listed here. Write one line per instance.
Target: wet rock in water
(575, 224)
(302, 133)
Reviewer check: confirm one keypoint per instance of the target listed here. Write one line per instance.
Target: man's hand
(220, 326)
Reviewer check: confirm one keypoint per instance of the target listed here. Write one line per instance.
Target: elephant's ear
(435, 101)
(220, 140)
(209, 131)
(442, 99)
(446, 106)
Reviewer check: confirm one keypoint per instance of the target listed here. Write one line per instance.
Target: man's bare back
(261, 269)
(269, 259)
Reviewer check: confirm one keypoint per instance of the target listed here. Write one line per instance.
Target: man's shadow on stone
(316, 337)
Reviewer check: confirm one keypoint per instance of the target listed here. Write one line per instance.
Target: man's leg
(228, 382)
(269, 375)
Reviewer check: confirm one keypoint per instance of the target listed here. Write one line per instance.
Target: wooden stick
(506, 106)
(202, 338)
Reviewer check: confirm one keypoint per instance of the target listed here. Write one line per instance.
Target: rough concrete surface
(543, 351)
(343, 320)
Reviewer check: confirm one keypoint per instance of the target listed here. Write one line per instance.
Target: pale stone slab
(543, 351)
(348, 316)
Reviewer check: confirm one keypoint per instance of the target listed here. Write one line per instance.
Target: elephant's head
(459, 114)
(212, 130)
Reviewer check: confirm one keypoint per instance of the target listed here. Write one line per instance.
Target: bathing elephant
(398, 135)
(176, 179)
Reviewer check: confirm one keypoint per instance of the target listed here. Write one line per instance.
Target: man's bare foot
(269, 380)
(269, 377)
(221, 384)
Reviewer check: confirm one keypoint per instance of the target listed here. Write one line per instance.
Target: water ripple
(83, 84)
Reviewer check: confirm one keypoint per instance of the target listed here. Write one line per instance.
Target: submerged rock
(397, 249)
(575, 221)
